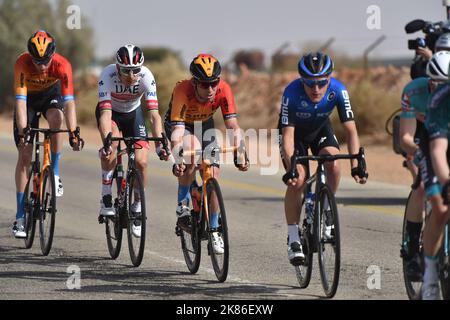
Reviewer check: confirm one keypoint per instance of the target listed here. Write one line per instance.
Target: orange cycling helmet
(41, 46)
(205, 68)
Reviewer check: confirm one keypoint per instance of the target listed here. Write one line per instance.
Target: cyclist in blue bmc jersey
(304, 123)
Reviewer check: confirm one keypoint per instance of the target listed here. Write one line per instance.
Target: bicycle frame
(207, 173)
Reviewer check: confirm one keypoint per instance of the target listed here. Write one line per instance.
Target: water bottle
(309, 207)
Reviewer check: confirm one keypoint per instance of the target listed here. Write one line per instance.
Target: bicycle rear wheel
(444, 262)
(303, 272)
(191, 241)
(136, 240)
(329, 245)
(47, 212)
(413, 288)
(30, 206)
(215, 204)
(113, 226)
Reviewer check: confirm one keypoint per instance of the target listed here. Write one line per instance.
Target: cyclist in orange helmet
(43, 84)
(195, 101)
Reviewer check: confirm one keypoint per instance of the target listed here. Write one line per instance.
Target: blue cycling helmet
(315, 65)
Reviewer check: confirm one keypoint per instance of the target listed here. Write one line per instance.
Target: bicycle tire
(304, 271)
(113, 226)
(30, 211)
(413, 289)
(47, 214)
(136, 254)
(444, 274)
(191, 241)
(329, 286)
(219, 260)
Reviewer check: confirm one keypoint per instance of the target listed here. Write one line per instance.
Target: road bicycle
(206, 199)
(128, 187)
(413, 286)
(315, 235)
(40, 192)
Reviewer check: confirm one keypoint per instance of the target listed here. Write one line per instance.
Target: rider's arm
(352, 140)
(177, 104)
(407, 130)
(65, 78)
(438, 152)
(287, 145)
(21, 95)
(104, 124)
(151, 102)
(70, 115)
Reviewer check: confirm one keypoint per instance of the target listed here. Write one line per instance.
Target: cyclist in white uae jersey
(121, 88)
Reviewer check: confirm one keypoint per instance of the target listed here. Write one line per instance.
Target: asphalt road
(370, 217)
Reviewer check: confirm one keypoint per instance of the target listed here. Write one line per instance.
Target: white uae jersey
(113, 94)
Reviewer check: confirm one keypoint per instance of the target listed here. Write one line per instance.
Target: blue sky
(222, 27)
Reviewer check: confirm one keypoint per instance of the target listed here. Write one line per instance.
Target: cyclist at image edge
(121, 87)
(43, 84)
(436, 123)
(196, 100)
(413, 136)
(304, 123)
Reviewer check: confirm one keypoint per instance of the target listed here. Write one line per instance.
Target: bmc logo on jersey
(348, 107)
(284, 110)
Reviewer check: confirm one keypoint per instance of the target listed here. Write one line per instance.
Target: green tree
(20, 19)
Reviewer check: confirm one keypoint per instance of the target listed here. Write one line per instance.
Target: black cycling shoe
(414, 270)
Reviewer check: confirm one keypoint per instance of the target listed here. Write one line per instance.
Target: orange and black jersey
(185, 108)
(28, 80)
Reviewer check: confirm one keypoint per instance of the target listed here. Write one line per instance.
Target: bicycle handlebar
(200, 151)
(324, 158)
(131, 140)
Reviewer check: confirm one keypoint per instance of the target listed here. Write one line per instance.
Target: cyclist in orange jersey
(193, 104)
(43, 84)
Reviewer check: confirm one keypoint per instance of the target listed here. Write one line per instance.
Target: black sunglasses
(41, 62)
(311, 83)
(130, 70)
(206, 85)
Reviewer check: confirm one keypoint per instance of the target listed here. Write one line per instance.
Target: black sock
(413, 230)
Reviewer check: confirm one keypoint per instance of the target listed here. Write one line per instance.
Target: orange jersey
(27, 79)
(185, 108)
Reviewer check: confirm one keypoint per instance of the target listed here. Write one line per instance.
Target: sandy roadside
(382, 163)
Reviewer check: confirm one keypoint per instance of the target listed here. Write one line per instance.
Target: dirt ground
(382, 163)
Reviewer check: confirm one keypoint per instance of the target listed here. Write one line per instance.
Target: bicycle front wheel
(303, 272)
(30, 206)
(136, 228)
(328, 239)
(47, 210)
(113, 226)
(445, 265)
(413, 288)
(218, 246)
(191, 242)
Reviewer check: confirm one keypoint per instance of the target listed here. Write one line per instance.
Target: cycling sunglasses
(206, 85)
(41, 62)
(311, 83)
(130, 70)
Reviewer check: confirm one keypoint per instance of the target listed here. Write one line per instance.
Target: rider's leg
(414, 216)
(108, 164)
(21, 173)
(292, 204)
(190, 142)
(333, 171)
(55, 118)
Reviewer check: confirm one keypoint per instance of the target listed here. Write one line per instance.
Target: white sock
(107, 181)
(431, 271)
(293, 233)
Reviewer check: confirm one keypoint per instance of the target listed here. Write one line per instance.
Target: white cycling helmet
(443, 42)
(437, 67)
(130, 56)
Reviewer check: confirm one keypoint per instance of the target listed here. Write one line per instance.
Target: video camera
(432, 31)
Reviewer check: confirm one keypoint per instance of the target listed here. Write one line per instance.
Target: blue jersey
(299, 111)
